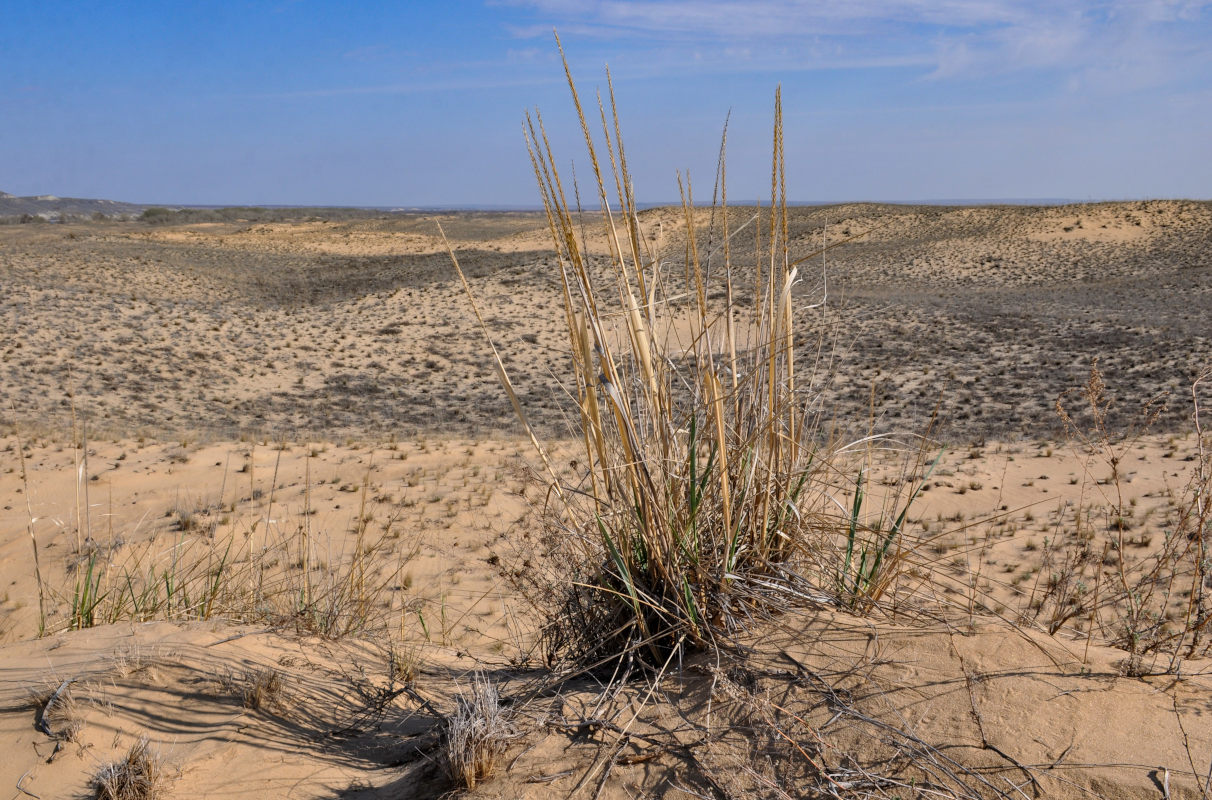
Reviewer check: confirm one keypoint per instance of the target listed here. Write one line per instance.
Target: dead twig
(23, 790)
(42, 718)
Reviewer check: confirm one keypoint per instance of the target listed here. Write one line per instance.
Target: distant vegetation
(162, 215)
(159, 215)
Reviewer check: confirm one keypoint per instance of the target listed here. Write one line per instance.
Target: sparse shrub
(1159, 600)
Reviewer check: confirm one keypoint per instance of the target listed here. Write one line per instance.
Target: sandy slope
(1024, 709)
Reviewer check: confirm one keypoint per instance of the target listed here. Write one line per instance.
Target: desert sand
(207, 425)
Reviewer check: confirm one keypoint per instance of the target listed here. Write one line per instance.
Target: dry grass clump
(707, 489)
(138, 776)
(257, 689)
(477, 733)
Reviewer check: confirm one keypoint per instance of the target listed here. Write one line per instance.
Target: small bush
(158, 215)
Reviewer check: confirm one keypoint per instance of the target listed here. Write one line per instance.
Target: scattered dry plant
(226, 577)
(1155, 603)
(257, 689)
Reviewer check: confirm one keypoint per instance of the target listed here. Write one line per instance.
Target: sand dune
(353, 328)
(290, 412)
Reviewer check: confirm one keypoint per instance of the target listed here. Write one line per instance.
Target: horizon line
(646, 205)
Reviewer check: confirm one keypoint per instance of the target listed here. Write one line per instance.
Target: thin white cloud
(1156, 40)
(775, 17)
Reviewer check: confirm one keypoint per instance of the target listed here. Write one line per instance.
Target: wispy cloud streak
(1092, 42)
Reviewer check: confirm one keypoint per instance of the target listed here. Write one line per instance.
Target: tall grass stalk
(273, 485)
(305, 531)
(29, 526)
(79, 474)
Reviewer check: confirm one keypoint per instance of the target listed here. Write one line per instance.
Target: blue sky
(413, 103)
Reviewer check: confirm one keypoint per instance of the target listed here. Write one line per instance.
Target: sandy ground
(325, 330)
(309, 405)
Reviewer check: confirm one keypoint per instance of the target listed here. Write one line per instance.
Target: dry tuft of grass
(138, 776)
(257, 689)
(477, 733)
